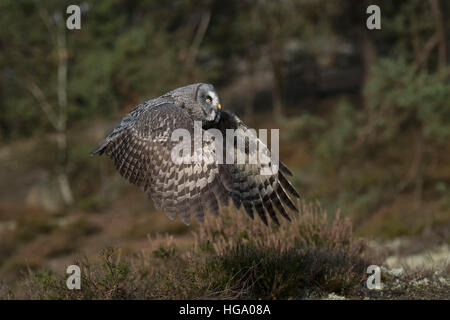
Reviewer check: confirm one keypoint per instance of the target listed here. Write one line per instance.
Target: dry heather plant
(311, 255)
(232, 257)
(311, 228)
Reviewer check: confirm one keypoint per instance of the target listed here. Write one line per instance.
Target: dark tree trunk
(276, 63)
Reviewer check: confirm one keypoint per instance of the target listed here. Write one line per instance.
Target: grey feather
(140, 147)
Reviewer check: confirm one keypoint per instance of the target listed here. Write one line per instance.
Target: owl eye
(208, 99)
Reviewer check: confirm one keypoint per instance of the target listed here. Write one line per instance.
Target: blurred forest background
(364, 115)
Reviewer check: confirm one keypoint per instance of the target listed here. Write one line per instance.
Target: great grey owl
(141, 150)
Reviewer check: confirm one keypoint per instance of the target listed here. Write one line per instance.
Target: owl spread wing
(257, 187)
(141, 148)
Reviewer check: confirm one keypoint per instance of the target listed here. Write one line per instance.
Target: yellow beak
(219, 106)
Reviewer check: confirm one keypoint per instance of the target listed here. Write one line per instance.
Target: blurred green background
(364, 115)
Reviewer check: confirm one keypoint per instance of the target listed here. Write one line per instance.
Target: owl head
(200, 100)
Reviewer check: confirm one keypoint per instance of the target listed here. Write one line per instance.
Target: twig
(40, 97)
(427, 49)
(198, 38)
(440, 32)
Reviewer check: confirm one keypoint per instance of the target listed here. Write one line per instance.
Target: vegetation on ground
(232, 257)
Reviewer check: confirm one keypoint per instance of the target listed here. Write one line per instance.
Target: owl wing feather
(141, 151)
(256, 189)
(141, 147)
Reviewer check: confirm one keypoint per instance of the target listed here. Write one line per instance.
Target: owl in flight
(141, 147)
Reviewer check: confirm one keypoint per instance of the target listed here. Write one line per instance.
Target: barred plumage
(141, 147)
